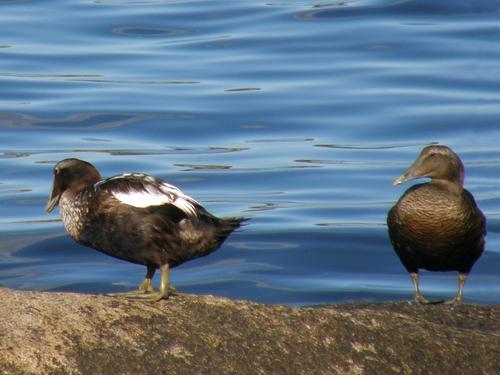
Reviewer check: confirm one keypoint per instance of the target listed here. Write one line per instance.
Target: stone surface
(66, 333)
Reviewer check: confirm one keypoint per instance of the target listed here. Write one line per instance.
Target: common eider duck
(138, 218)
(437, 225)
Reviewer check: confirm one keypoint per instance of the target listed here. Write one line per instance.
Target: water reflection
(351, 225)
(280, 140)
(134, 152)
(44, 76)
(261, 245)
(81, 121)
(133, 82)
(376, 146)
(385, 8)
(191, 167)
(243, 89)
(145, 31)
(9, 155)
(138, 2)
(348, 162)
(15, 191)
(314, 4)
(263, 207)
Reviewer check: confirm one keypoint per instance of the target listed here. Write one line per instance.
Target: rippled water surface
(297, 114)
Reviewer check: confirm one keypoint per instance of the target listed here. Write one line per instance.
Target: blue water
(297, 114)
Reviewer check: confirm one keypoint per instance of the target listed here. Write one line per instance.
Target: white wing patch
(156, 195)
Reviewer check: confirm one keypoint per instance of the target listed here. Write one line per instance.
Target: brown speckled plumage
(437, 225)
(172, 232)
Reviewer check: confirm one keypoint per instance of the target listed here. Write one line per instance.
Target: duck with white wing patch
(137, 218)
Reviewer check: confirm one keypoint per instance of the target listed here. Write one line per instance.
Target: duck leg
(145, 287)
(461, 283)
(419, 298)
(147, 284)
(164, 291)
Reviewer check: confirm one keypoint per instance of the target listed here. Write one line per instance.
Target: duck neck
(454, 187)
(74, 210)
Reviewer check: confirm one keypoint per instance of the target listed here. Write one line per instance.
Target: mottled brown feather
(152, 236)
(437, 226)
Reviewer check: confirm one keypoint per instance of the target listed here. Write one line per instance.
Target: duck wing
(144, 191)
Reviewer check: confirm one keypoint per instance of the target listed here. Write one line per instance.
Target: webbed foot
(419, 298)
(462, 277)
(454, 301)
(130, 294)
(150, 297)
(141, 293)
(145, 288)
(424, 301)
(165, 289)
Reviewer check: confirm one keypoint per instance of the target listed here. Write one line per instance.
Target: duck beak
(402, 179)
(54, 196)
(52, 203)
(415, 171)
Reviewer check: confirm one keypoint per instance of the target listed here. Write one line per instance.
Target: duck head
(73, 176)
(437, 162)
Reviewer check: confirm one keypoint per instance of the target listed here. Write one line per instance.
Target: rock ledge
(67, 333)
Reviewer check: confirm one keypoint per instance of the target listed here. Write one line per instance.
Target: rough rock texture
(64, 333)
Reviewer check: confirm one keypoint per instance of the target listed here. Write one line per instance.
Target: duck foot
(462, 277)
(150, 297)
(419, 298)
(146, 292)
(140, 293)
(144, 288)
(454, 302)
(424, 301)
(154, 296)
(130, 294)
